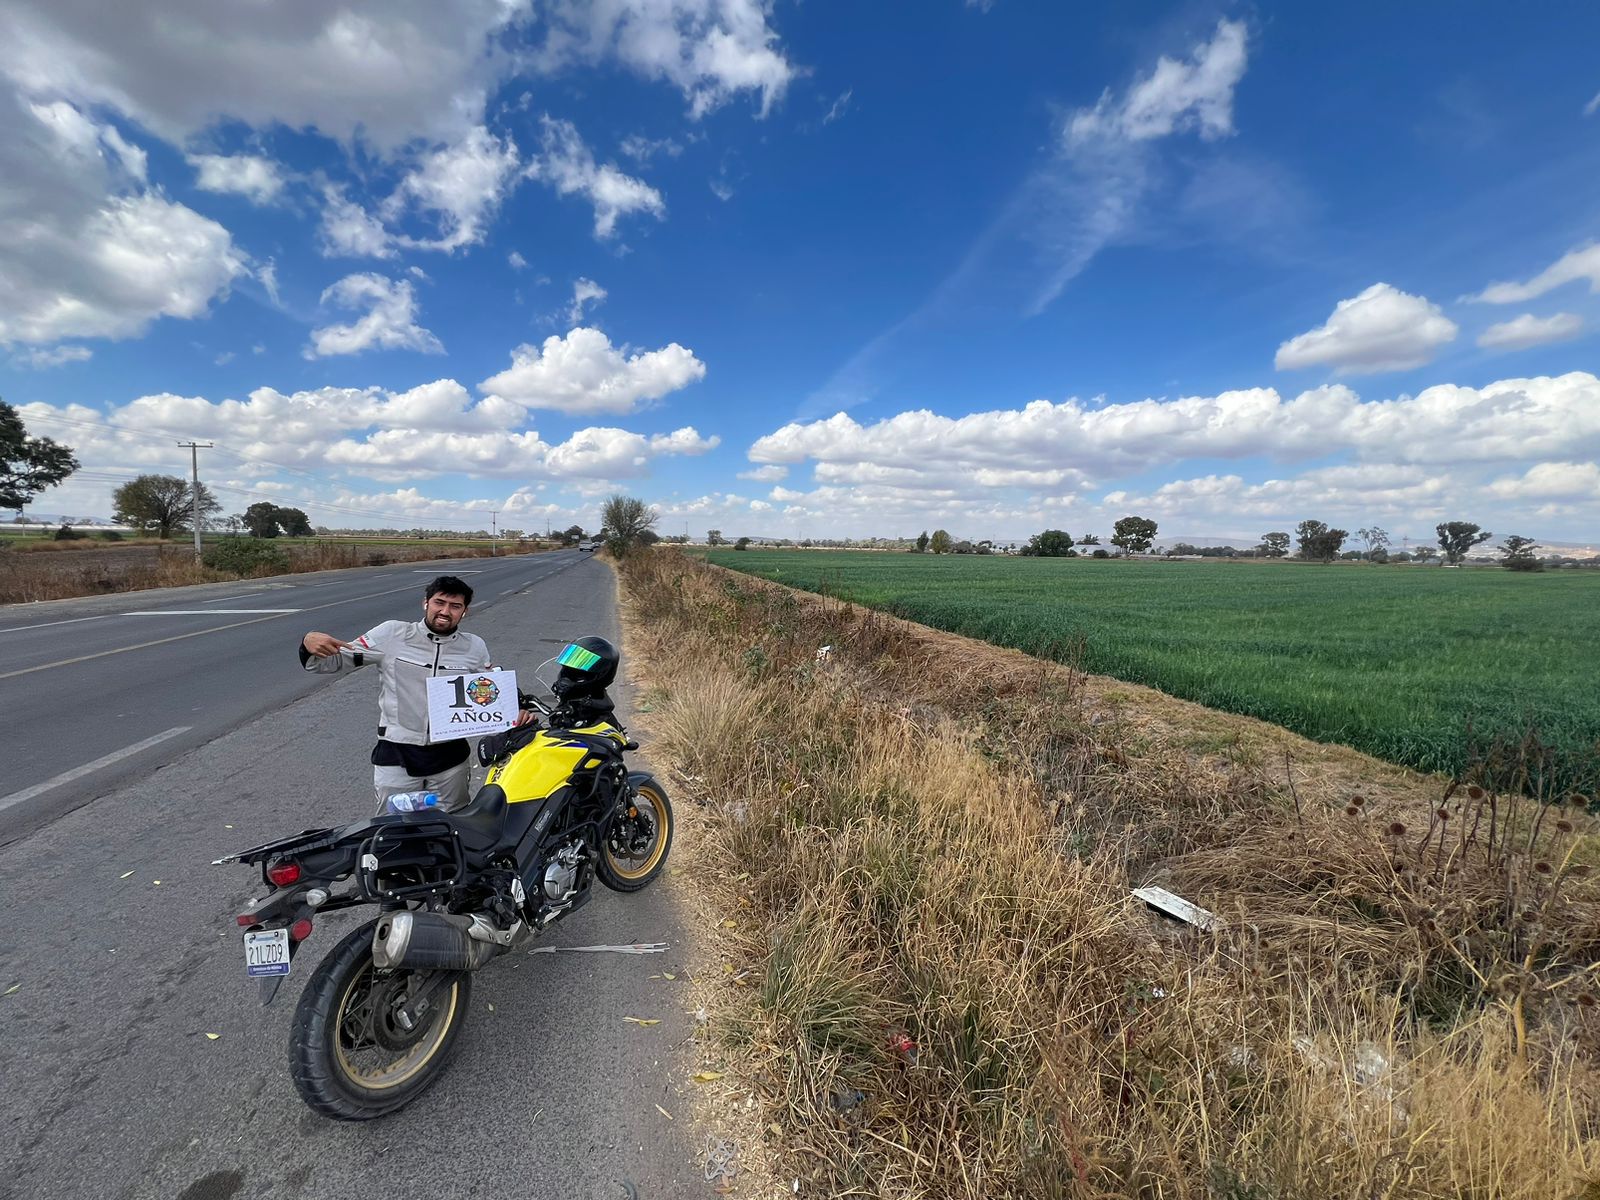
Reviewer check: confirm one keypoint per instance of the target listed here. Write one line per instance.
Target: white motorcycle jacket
(407, 655)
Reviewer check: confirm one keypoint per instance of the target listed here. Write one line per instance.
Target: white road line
(508, 591)
(89, 768)
(47, 624)
(240, 596)
(205, 612)
(181, 637)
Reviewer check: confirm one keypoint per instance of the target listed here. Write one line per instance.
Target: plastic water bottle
(403, 802)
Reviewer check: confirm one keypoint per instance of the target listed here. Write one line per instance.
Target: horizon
(810, 271)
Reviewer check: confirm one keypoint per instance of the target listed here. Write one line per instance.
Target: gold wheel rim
(418, 1057)
(663, 820)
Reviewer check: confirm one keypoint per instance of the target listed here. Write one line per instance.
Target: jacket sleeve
(368, 648)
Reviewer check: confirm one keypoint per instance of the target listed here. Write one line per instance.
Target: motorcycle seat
(482, 822)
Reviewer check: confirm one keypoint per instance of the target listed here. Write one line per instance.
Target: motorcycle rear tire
(321, 1069)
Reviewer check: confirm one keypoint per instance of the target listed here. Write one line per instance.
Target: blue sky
(813, 269)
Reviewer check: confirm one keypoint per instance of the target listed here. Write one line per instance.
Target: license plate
(266, 952)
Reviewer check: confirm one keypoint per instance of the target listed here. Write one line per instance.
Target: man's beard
(448, 626)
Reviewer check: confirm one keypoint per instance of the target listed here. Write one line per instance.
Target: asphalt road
(100, 691)
(113, 1088)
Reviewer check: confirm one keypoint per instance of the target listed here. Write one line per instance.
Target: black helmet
(588, 667)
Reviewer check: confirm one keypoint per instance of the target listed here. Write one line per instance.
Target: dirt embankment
(915, 862)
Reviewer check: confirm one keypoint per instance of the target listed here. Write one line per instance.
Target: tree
(1373, 539)
(28, 465)
(1052, 543)
(922, 542)
(262, 519)
(742, 544)
(1517, 554)
(625, 518)
(1424, 554)
(648, 537)
(572, 534)
(233, 523)
(940, 542)
(1318, 543)
(714, 538)
(295, 523)
(1134, 534)
(1274, 545)
(1457, 537)
(1088, 539)
(163, 503)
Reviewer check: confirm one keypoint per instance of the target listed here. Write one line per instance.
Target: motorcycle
(559, 810)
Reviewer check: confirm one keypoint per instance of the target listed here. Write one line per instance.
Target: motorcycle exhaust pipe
(424, 941)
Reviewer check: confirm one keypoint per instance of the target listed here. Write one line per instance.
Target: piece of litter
(125, 874)
(706, 1076)
(636, 948)
(211, 1037)
(644, 1020)
(1176, 906)
(668, 975)
(157, 882)
(730, 923)
(14, 987)
(227, 826)
(491, 1008)
(663, 1112)
(720, 1164)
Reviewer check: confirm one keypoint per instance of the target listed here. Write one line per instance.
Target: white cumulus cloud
(1057, 445)
(1552, 481)
(585, 292)
(1582, 263)
(1177, 95)
(1528, 330)
(584, 373)
(42, 358)
(87, 249)
(350, 231)
(710, 49)
(390, 322)
(250, 175)
(385, 71)
(1382, 329)
(462, 184)
(567, 165)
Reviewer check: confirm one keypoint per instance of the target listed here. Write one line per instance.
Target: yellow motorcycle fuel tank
(546, 763)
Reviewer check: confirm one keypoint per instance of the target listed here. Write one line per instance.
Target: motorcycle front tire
(627, 876)
(324, 1041)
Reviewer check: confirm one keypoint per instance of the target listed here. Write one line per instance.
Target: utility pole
(494, 533)
(194, 449)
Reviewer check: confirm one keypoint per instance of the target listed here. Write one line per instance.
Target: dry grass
(948, 993)
(98, 569)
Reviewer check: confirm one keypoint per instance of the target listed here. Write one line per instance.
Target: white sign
(470, 704)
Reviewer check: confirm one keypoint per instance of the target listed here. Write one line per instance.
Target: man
(408, 654)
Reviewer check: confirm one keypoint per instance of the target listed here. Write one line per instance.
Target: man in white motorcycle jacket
(408, 654)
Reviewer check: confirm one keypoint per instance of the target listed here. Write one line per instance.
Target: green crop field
(1397, 661)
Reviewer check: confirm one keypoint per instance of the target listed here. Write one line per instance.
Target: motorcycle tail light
(284, 873)
(300, 930)
(246, 920)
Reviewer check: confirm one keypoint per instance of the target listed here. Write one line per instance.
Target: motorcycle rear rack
(411, 845)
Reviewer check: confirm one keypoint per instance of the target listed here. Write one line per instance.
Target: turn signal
(284, 873)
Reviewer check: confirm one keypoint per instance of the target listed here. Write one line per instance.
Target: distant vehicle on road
(588, 544)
